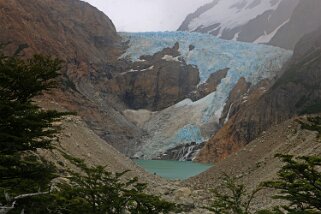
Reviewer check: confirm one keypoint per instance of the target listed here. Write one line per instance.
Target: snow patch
(266, 38)
(149, 68)
(170, 58)
(184, 103)
(236, 36)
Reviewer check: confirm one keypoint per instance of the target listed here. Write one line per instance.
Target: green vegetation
(312, 124)
(24, 128)
(232, 198)
(97, 191)
(26, 179)
(298, 183)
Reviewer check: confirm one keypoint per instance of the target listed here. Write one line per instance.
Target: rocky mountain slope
(281, 22)
(256, 162)
(78, 140)
(296, 92)
(68, 30)
(87, 41)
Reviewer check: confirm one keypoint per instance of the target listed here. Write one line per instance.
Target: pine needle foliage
(94, 190)
(26, 179)
(232, 198)
(299, 183)
(313, 123)
(25, 128)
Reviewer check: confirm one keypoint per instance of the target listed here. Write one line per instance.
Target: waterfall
(186, 152)
(228, 113)
(183, 152)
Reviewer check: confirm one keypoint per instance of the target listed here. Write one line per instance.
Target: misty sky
(147, 15)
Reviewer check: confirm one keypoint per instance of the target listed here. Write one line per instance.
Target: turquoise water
(173, 169)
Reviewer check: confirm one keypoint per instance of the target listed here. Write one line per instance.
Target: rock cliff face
(296, 92)
(238, 96)
(155, 82)
(209, 86)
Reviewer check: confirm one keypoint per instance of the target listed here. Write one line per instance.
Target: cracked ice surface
(254, 62)
(210, 53)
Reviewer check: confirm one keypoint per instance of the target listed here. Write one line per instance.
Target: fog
(147, 15)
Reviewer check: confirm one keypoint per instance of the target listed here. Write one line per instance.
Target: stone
(183, 192)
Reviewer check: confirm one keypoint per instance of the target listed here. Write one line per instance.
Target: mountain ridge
(280, 23)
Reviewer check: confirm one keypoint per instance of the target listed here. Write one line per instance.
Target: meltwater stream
(173, 170)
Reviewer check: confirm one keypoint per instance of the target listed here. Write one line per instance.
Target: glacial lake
(173, 170)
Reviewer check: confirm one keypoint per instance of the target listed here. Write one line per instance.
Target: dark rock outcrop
(209, 86)
(237, 97)
(297, 91)
(155, 82)
(184, 152)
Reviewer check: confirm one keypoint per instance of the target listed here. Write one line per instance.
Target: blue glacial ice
(187, 134)
(210, 53)
(254, 62)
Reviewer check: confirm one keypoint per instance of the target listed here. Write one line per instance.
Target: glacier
(210, 53)
(171, 127)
